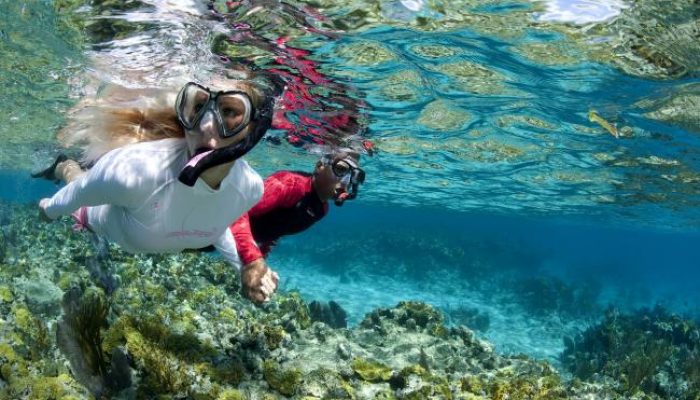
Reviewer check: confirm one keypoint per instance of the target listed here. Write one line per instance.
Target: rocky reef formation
(330, 313)
(176, 327)
(648, 353)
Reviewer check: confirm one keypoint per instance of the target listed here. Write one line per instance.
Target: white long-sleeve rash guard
(134, 198)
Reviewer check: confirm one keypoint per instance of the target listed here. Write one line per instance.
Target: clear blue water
(555, 169)
(367, 256)
(488, 174)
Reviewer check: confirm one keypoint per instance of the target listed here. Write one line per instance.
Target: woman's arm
(227, 247)
(109, 181)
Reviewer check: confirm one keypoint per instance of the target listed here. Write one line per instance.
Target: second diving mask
(348, 173)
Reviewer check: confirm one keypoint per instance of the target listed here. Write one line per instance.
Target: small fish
(594, 117)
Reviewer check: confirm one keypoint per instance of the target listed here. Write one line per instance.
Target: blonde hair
(122, 116)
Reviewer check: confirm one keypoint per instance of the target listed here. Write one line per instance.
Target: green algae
(284, 380)
(163, 372)
(231, 394)
(23, 319)
(274, 336)
(6, 295)
(371, 371)
(294, 306)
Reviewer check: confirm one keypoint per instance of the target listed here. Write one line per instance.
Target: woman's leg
(68, 171)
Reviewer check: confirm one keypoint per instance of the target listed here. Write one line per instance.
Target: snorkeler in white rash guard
(181, 184)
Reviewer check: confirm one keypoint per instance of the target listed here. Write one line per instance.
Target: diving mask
(348, 173)
(232, 110)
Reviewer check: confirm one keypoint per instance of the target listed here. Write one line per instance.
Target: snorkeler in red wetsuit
(292, 202)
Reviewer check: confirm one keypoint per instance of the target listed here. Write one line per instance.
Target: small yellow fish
(594, 117)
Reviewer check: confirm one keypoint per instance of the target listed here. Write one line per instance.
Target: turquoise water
(490, 263)
(490, 184)
(556, 164)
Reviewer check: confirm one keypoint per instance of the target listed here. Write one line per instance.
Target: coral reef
(548, 294)
(650, 352)
(331, 313)
(176, 327)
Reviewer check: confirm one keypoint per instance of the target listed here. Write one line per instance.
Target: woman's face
(229, 111)
(205, 136)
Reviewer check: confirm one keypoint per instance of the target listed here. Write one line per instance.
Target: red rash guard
(289, 205)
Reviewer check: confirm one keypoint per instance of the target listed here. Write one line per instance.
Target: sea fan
(79, 338)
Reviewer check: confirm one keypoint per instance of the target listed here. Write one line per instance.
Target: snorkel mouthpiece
(341, 198)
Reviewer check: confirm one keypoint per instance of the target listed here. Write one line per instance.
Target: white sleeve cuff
(226, 246)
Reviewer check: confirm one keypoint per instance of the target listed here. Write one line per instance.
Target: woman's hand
(42, 210)
(258, 281)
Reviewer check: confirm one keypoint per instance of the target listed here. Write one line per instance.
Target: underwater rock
(326, 383)
(331, 313)
(344, 351)
(42, 295)
(371, 371)
(285, 381)
(409, 313)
